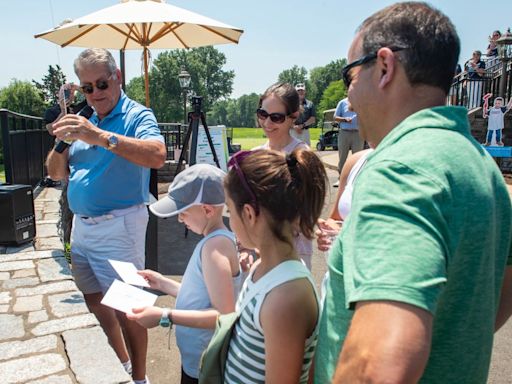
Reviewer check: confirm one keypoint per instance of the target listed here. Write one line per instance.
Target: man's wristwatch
(166, 319)
(113, 140)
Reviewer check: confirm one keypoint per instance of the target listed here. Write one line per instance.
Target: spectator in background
(348, 133)
(307, 117)
(455, 90)
(492, 48)
(475, 69)
(279, 107)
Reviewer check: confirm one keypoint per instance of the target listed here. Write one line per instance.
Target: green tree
(218, 114)
(334, 92)
(247, 105)
(208, 80)
(51, 84)
(321, 77)
(22, 97)
(135, 90)
(293, 75)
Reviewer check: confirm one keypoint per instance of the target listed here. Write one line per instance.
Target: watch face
(113, 141)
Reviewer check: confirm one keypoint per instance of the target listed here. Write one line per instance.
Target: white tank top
(345, 202)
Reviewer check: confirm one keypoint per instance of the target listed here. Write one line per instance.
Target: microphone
(61, 146)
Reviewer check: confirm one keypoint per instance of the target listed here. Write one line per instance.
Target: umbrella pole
(146, 75)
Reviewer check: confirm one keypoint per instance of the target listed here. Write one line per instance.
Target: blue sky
(278, 33)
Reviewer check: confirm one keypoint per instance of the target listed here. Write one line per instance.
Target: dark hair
(286, 93)
(431, 40)
(287, 188)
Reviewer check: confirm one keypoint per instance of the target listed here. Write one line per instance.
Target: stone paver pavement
(47, 335)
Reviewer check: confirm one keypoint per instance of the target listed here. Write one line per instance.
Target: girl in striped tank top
(271, 196)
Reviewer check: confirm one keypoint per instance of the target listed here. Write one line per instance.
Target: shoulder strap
(286, 271)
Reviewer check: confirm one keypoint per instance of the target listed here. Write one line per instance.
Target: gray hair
(95, 56)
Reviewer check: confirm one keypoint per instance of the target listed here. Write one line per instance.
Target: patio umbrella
(142, 24)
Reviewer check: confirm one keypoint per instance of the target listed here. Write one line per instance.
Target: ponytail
(289, 188)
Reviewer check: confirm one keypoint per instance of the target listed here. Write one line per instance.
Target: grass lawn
(2, 174)
(251, 137)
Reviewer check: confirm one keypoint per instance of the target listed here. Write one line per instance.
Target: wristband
(166, 319)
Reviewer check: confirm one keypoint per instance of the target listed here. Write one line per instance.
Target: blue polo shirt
(343, 111)
(101, 181)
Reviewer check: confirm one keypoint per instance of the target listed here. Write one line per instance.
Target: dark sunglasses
(274, 117)
(100, 84)
(235, 162)
(347, 79)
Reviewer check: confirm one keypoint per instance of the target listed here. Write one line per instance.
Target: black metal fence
(24, 145)
(174, 134)
(469, 92)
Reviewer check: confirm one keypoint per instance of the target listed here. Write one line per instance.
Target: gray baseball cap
(196, 185)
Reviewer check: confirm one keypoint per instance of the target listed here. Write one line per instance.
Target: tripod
(193, 131)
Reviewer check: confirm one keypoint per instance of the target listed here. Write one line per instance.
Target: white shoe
(336, 184)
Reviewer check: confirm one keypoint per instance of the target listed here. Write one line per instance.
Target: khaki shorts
(119, 235)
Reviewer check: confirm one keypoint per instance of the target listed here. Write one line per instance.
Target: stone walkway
(47, 335)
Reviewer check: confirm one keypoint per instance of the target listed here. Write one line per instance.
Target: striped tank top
(246, 356)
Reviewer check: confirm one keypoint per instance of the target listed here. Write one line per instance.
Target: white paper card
(128, 273)
(124, 297)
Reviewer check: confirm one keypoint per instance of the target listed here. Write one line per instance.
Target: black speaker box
(17, 219)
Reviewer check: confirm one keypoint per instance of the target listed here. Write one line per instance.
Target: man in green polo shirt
(419, 280)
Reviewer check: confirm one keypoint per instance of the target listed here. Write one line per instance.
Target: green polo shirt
(430, 226)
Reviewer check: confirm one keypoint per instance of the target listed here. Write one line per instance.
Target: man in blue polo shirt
(348, 133)
(108, 165)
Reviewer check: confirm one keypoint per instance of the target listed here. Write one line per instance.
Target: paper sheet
(128, 273)
(124, 297)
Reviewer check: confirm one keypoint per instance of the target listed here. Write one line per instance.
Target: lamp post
(504, 44)
(184, 78)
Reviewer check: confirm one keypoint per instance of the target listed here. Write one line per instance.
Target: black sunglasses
(100, 84)
(347, 79)
(274, 117)
(235, 162)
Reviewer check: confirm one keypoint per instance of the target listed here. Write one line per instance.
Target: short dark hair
(286, 93)
(431, 40)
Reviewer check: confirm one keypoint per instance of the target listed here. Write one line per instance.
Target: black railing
(173, 134)
(469, 92)
(24, 145)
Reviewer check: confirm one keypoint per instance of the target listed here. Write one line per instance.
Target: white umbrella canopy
(142, 24)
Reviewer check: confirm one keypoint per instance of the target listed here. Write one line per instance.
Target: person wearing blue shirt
(108, 164)
(348, 134)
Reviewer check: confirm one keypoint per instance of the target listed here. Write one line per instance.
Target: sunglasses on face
(345, 72)
(100, 84)
(235, 162)
(274, 117)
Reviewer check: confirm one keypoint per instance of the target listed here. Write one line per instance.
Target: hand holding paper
(124, 297)
(128, 273)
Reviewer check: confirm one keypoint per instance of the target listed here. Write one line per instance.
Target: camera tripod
(193, 132)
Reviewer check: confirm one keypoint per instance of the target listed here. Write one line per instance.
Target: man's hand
(73, 127)
(298, 128)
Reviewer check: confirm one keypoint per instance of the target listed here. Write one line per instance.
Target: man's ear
(386, 61)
